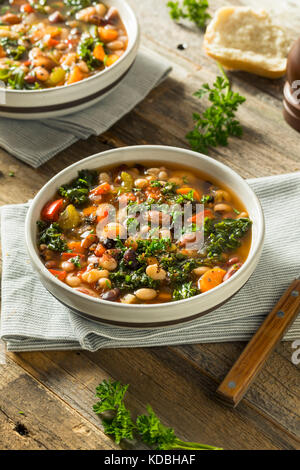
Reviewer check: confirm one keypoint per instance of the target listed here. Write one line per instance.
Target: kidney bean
(56, 17)
(232, 271)
(112, 294)
(233, 260)
(130, 259)
(51, 264)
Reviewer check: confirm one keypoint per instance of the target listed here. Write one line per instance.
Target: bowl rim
(133, 38)
(38, 264)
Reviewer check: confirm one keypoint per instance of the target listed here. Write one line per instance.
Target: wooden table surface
(55, 390)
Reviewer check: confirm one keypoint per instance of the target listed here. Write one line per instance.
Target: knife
(257, 351)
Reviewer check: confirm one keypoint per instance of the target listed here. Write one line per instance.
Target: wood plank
(186, 394)
(47, 421)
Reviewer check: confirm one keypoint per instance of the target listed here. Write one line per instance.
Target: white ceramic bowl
(52, 102)
(156, 314)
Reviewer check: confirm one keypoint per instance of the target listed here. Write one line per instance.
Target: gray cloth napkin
(33, 320)
(35, 142)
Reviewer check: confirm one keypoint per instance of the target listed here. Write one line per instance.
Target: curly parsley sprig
(193, 10)
(218, 122)
(147, 427)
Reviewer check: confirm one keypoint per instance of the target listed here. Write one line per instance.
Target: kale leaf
(78, 190)
(52, 237)
(224, 236)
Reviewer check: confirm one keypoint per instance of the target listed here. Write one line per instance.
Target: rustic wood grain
(55, 390)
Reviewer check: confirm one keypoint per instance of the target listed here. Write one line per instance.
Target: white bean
(146, 294)
(221, 195)
(115, 45)
(104, 178)
(72, 280)
(222, 208)
(104, 283)
(153, 171)
(68, 266)
(108, 262)
(141, 183)
(156, 273)
(128, 299)
(94, 275)
(243, 215)
(200, 270)
(113, 229)
(163, 175)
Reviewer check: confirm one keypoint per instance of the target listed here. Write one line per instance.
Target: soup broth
(44, 44)
(144, 234)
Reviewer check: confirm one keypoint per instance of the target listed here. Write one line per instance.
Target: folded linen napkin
(33, 320)
(35, 142)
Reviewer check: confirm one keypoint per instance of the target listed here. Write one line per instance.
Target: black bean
(108, 243)
(112, 294)
(130, 259)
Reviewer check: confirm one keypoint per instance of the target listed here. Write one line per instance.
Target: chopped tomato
(61, 275)
(51, 210)
(104, 188)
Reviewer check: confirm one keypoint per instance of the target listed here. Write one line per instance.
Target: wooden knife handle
(257, 351)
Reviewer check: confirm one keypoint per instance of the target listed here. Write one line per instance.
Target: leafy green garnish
(128, 280)
(76, 261)
(193, 10)
(148, 427)
(153, 246)
(52, 237)
(224, 236)
(218, 122)
(12, 48)
(185, 291)
(111, 397)
(77, 5)
(78, 190)
(85, 51)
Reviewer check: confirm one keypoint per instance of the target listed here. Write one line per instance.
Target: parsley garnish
(218, 122)
(193, 10)
(85, 51)
(148, 427)
(76, 261)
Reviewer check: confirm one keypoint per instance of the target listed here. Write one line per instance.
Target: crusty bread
(243, 39)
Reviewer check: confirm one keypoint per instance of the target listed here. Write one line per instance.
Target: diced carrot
(61, 275)
(100, 250)
(201, 216)
(111, 59)
(104, 188)
(89, 240)
(91, 210)
(52, 42)
(107, 35)
(187, 190)
(51, 210)
(75, 76)
(2, 52)
(211, 279)
(26, 8)
(27, 63)
(99, 52)
(76, 247)
(67, 256)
